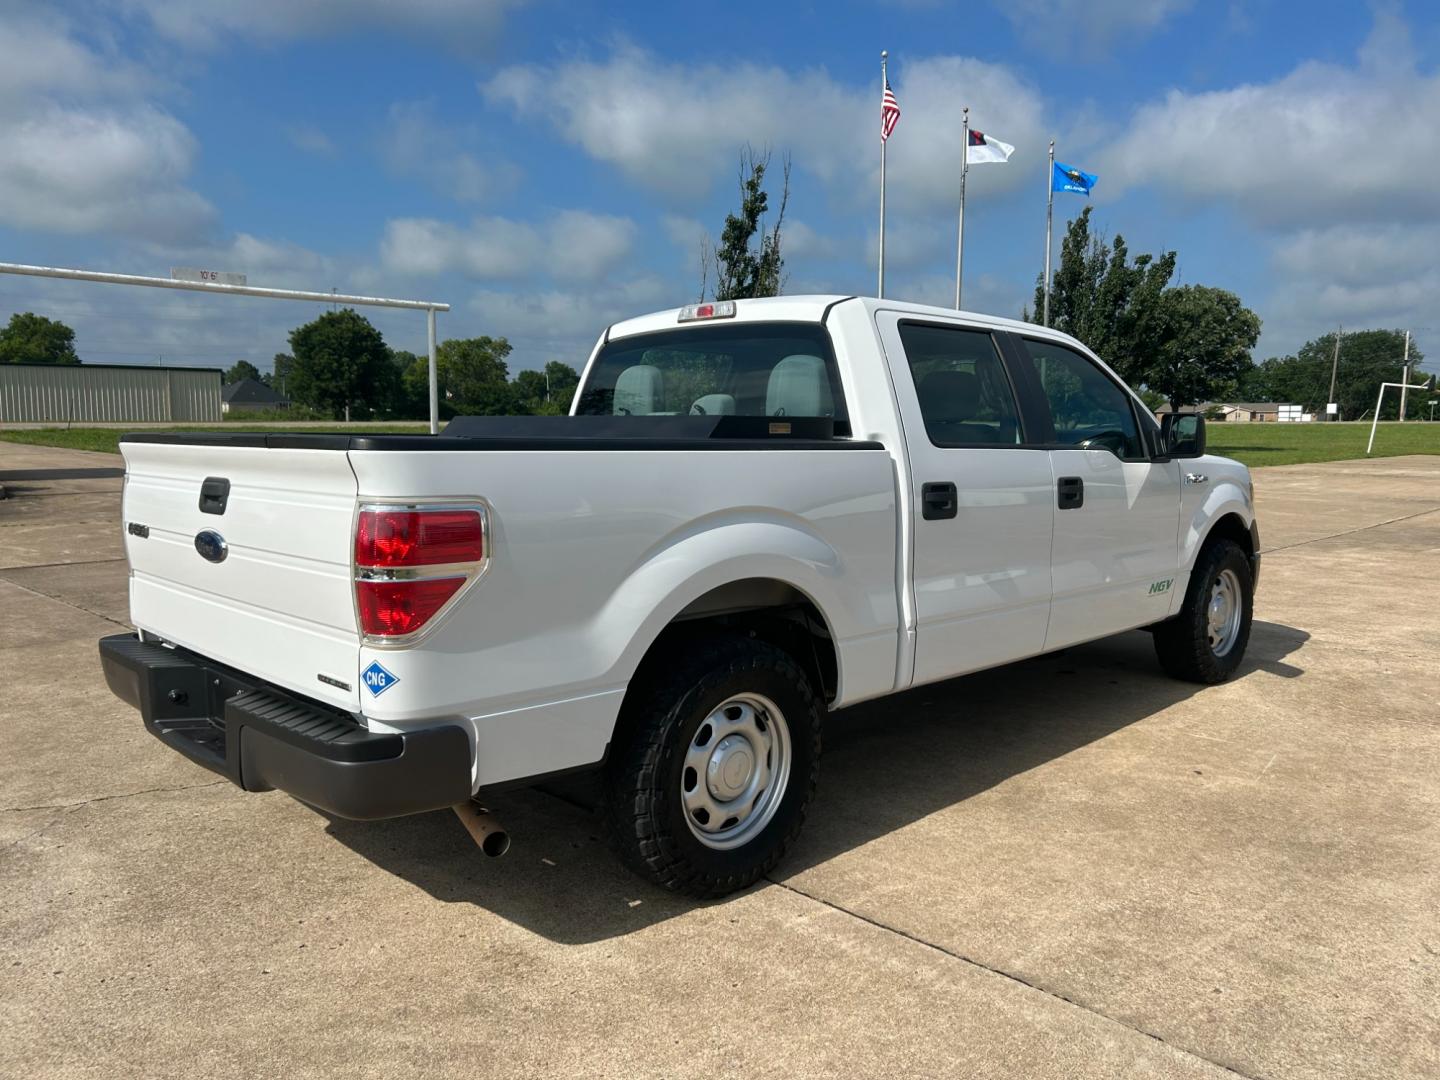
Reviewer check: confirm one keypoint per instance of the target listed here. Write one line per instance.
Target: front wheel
(715, 765)
(1206, 641)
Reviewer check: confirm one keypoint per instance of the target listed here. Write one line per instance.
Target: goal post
(1380, 399)
(430, 307)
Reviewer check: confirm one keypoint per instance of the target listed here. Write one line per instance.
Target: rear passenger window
(965, 395)
(1089, 410)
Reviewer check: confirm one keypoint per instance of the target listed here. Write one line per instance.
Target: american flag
(889, 112)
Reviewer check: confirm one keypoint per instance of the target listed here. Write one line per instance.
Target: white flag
(983, 148)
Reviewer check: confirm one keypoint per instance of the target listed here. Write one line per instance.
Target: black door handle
(938, 501)
(1071, 492)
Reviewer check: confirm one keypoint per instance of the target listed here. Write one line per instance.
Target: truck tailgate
(280, 604)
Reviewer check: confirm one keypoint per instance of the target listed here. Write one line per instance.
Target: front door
(982, 502)
(1117, 515)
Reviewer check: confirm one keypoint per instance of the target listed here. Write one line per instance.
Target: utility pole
(1405, 380)
(1334, 368)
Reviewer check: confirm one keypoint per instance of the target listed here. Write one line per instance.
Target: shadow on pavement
(887, 764)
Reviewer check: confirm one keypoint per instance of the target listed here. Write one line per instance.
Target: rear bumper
(263, 739)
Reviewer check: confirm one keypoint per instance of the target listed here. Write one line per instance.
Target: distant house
(250, 395)
(1237, 412)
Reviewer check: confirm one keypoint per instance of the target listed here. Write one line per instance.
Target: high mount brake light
(411, 562)
(715, 309)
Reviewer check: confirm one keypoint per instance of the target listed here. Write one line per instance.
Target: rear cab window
(739, 369)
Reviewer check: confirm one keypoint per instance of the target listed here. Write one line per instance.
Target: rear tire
(716, 761)
(1206, 641)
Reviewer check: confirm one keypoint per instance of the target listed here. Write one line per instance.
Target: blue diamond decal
(377, 679)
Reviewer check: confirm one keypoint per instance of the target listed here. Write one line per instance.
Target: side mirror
(1183, 434)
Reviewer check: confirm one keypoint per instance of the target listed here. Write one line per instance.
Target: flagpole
(884, 82)
(960, 232)
(1049, 224)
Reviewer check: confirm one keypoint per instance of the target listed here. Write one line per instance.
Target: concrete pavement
(1067, 867)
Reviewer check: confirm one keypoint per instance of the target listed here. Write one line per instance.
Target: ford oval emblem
(211, 546)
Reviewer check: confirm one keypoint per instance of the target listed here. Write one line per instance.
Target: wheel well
(1232, 527)
(774, 612)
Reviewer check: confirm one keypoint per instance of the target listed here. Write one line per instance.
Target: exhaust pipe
(483, 828)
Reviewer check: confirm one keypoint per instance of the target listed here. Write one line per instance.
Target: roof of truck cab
(813, 309)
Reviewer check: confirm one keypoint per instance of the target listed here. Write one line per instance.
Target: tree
(1203, 338)
(279, 375)
(1367, 358)
(473, 375)
(341, 364)
(1101, 297)
(563, 381)
(242, 370)
(34, 339)
(741, 269)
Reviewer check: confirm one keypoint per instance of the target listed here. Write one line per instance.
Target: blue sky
(549, 168)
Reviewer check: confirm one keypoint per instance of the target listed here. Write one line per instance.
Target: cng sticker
(377, 679)
(1159, 587)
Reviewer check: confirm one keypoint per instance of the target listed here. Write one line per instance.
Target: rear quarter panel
(594, 552)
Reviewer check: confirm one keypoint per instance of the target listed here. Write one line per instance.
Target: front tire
(716, 763)
(1206, 641)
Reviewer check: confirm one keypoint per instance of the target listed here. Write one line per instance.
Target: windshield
(745, 369)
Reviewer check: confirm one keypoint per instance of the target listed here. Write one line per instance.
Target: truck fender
(708, 554)
(1227, 498)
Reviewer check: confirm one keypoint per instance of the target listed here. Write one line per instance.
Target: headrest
(799, 386)
(638, 391)
(714, 405)
(949, 395)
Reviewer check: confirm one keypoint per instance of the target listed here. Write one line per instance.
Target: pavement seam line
(57, 565)
(111, 798)
(67, 603)
(1350, 532)
(1009, 977)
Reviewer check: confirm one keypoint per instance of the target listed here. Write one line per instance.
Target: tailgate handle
(214, 493)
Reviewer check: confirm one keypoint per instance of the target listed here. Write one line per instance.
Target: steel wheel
(735, 771)
(1224, 612)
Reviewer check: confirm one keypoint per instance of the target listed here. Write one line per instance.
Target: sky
(549, 168)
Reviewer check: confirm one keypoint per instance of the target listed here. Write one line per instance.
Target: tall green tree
(745, 267)
(279, 374)
(34, 339)
(474, 377)
(1367, 358)
(342, 366)
(240, 371)
(1202, 339)
(1107, 300)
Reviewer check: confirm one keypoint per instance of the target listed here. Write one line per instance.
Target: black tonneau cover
(552, 433)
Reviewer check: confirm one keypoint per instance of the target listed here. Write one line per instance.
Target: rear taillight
(411, 562)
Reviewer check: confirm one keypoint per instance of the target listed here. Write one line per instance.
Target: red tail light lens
(410, 561)
(386, 538)
(394, 608)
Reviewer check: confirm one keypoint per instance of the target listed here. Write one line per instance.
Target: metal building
(120, 393)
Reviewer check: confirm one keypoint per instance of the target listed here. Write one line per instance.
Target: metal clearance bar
(1380, 398)
(430, 307)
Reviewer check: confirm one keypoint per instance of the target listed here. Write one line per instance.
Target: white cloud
(564, 324)
(84, 152)
(1061, 25)
(573, 245)
(678, 127)
(311, 140)
(1324, 142)
(414, 143)
(209, 23)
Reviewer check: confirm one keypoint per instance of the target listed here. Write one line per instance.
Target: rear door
(1117, 508)
(981, 496)
(268, 589)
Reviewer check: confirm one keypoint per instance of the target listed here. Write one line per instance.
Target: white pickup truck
(757, 512)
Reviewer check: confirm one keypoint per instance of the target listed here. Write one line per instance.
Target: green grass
(107, 440)
(1254, 444)
(1294, 444)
